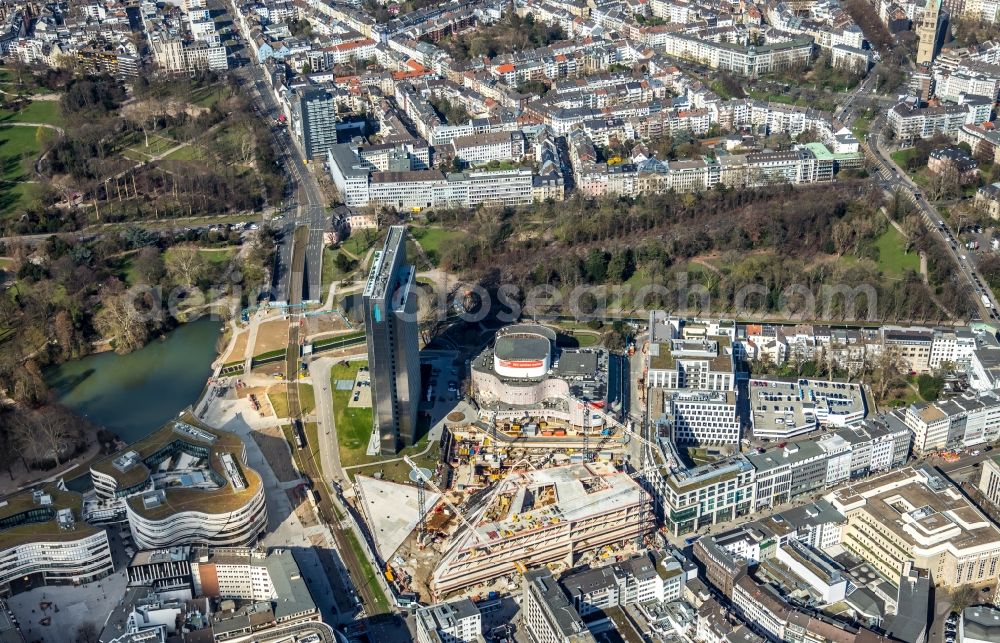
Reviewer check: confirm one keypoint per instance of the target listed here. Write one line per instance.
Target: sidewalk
(73, 468)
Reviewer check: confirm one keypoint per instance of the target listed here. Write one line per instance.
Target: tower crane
(426, 481)
(421, 478)
(632, 433)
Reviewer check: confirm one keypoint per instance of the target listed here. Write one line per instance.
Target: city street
(891, 177)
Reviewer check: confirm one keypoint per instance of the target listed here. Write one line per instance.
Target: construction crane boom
(608, 418)
(428, 482)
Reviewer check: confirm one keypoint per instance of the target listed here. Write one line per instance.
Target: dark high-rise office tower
(391, 324)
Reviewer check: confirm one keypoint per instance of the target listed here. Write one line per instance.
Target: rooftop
(41, 516)
(544, 497)
(787, 407)
(924, 510)
(981, 623)
(214, 482)
(547, 591)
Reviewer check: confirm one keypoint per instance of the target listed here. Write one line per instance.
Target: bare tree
(889, 369)
(247, 141)
(121, 320)
(185, 264)
(54, 428)
(945, 184)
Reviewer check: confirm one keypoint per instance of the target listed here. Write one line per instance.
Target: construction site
(534, 471)
(477, 541)
(506, 504)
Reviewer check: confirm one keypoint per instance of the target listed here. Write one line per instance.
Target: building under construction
(541, 517)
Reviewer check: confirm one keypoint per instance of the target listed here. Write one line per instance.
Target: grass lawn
(331, 272)
(585, 339)
(861, 126)
(900, 157)
(279, 402)
(207, 96)
(354, 425)
(157, 145)
(698, 456)
(187, 153)
(358, 244)
(19, 147)
(398, 470)
(892, 260)
(307, 399)
(14, 196)
(434, 240)
(371, 578)
(42, 111)
(212, 255)
(218, 255)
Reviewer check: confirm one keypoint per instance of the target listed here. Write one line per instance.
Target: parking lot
(361, 391)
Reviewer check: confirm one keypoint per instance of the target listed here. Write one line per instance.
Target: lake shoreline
(131, 394)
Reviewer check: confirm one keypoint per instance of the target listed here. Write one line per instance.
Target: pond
(135, 394)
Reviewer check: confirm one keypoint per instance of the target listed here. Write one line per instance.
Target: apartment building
(270, 582)
(913, 345)
(786, 472)
(701, 364)
(814, 568)
(951, 347)
(917, 516)
(742, 61)
(645, 577)
(799, 468)
(455, 622)
(761, 606)
(959, 421)
(989, 480)
(161, 569)
(909, 122)
(970, 79)
(716, 624)
(695, 417)
(982, 140)
(419, 189)
(690, 499)
(879, 443)
(722, 566)
(548, 616)
(257, 594)
(677, 360)
(314, 120)
(965, 167)
(44, 541)
(988, 200)
(477, 149)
